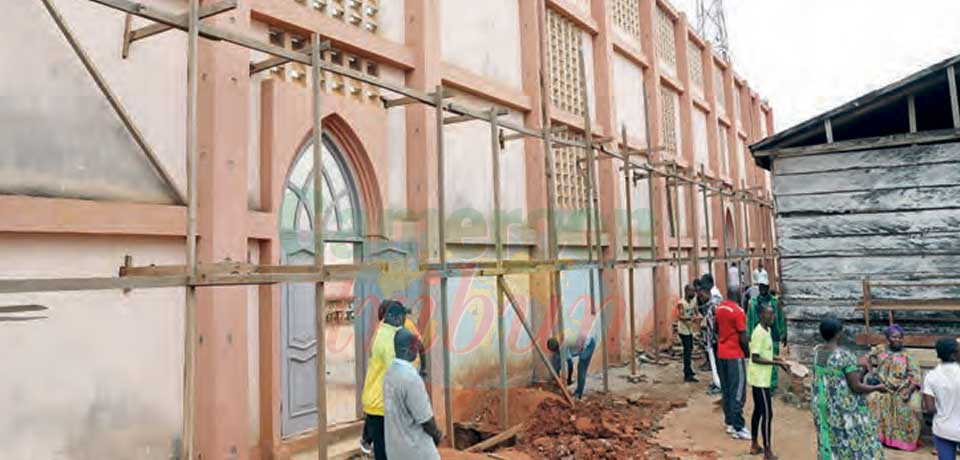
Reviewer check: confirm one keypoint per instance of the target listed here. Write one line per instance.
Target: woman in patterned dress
(899, 423)
(845, 429)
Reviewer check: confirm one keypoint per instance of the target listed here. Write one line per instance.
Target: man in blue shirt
(575, 346)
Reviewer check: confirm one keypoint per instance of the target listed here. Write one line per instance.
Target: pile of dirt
(602, 428)
(482, 407)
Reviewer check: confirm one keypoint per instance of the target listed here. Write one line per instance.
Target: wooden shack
(868, 212)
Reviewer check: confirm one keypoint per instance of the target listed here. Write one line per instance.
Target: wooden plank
(497, 439)
(267, 64)
(908, 244)
(912, 112)
(895, 140)
(21, 308)
(875, 178)
(881, 223)
(851, 267)
(887, 157)
(828, 128)
(884, 200)
(954, 98)
(206, 10)
(851, 290)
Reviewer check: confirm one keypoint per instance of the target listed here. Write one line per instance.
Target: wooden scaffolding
(636, 164)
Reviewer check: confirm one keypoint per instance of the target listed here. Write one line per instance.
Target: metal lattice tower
(712, 25)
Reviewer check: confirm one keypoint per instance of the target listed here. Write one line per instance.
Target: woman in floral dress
(845, 429)
(899, 423)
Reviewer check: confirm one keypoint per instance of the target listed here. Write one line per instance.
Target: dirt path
(699, 425)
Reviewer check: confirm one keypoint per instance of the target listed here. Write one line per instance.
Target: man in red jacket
(732, 350)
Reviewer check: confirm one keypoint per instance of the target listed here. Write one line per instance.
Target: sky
(809, 56)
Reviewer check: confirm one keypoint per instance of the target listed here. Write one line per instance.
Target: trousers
(733, 386)
(762, 421)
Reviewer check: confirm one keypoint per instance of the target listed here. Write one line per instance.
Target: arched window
(342, 215)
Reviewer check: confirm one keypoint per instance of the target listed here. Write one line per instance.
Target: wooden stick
(267, 64)
(114, 102)
(533, 339)
(442, 246)
(190, 306)
(497, 439)
(954, 99)
(912, 112)
(628, 187)
(318, 255)
(593, 217)
(498, 243)
(553, 248)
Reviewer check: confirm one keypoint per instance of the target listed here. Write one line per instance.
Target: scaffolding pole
(190, 302)
(318, 257)
(593, 222)
(442, 247)
(628, 191)
(498, 242)
(706, 218)
(553, 246)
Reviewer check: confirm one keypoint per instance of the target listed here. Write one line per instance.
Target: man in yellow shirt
(381, 355)
(760, 377)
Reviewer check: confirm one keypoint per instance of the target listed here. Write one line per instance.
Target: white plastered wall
(151, 83)
(466, 38)
(469, 177)
(628, 88)
(101, 376)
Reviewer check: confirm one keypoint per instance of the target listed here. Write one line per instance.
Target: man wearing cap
(382, 354)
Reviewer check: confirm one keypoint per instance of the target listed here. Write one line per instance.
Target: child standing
(760, 376)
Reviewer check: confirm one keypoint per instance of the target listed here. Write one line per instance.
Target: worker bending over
(579, 347)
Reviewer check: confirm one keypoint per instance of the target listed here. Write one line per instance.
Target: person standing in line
(760, 377)
(686, 324)
(898, 418)
(708, 308)
(941, 397)
(732, 350)
(845, 428)
(381, 356)
(410, 429)
(779, 328)
(733, 278)
(759, 275)
(366, 436)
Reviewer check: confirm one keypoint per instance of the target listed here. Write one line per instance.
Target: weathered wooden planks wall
(890, 214)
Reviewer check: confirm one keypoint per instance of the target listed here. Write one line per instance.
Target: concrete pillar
(542, 309)
(221, 379)
(651, 80)
(422, 33)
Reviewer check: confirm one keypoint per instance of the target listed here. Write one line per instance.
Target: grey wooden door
(372, 287)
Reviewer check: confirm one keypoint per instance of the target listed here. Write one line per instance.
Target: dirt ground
(659, 418)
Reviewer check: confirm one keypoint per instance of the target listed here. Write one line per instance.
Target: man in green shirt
(778, 329)
(760, 377)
